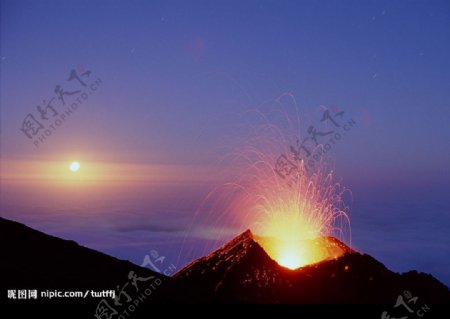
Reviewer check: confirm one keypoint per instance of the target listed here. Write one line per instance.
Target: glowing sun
(74, 166)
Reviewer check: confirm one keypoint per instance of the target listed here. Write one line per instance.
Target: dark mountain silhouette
(238, 272)
(33, 260)
(242, 272)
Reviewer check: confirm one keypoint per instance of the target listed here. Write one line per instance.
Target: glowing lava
(296, 254)
(291, 260)
(290, 255)
(294, 220)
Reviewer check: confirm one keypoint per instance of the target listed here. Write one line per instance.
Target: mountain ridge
(239, 271)
(34, 260)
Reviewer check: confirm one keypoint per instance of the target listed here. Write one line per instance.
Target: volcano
(242, 272)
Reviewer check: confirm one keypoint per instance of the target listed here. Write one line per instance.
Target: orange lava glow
(294, 220)
(294, 254)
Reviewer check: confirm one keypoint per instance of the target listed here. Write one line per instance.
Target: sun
(74, 166)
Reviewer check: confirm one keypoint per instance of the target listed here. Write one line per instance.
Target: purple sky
(177, 82)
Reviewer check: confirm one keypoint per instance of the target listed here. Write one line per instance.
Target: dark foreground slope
(31, 260)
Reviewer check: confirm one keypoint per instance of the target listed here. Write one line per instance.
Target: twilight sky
(169, 94)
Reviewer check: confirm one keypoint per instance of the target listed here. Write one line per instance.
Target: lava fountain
(294, 217)
(294, 214)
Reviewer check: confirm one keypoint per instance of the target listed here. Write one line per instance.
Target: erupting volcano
(294, 220)
(241, 271)
(291, 206)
